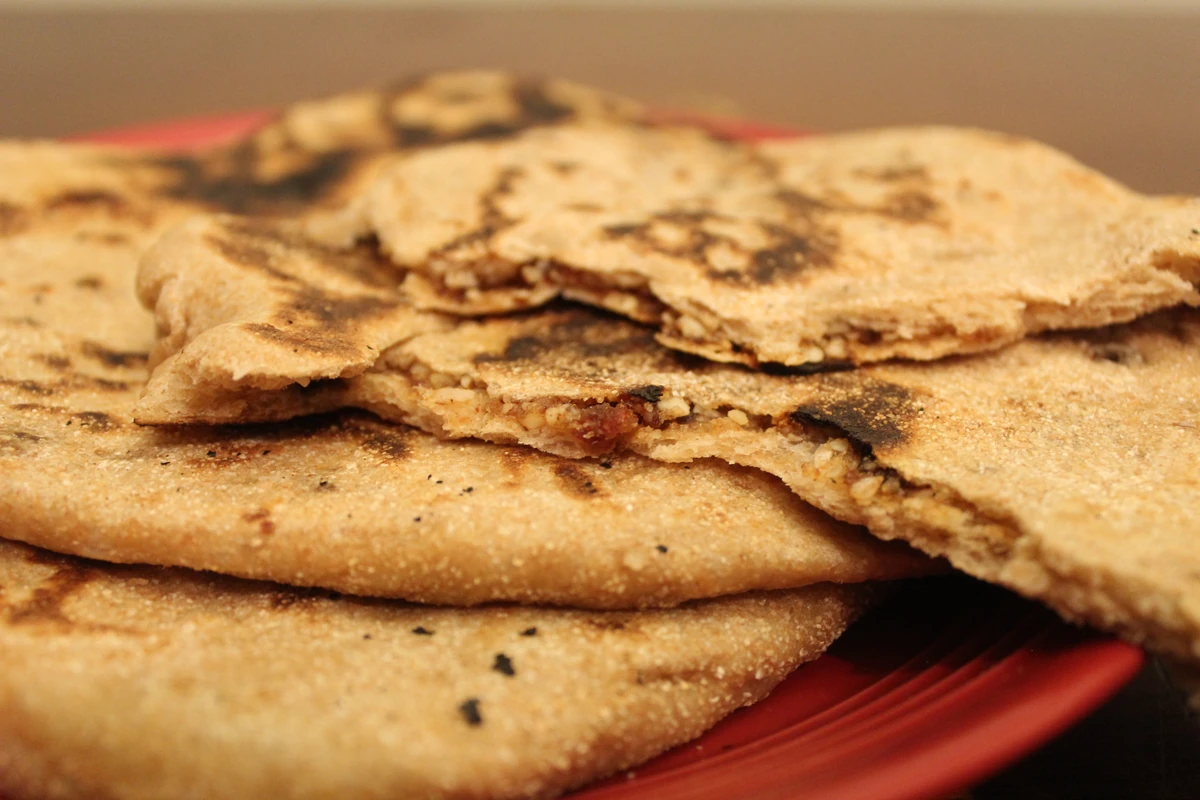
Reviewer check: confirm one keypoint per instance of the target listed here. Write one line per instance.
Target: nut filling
(569, 426)
(823, 464)
(467, 289)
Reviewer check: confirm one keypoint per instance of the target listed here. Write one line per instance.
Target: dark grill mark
(29, 387)
(16, 442)
(607, 623)
(874, 413)
(534, 108)
(45, 604)
(53, 361)
(793, 248)
(95, 419)
(522, 348)
(262, 517)
(35, 407)
(248, 253)
(909, 206)
(893, 174)
(230, 179)
(492, 219)
(575, 480)
(110, 202)
(392, 444)
(13, 219)
(650, 393)
(235, 186)
(115, 358)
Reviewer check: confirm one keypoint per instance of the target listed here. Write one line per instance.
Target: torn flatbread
(908, 243)
(1063, 467)
(351, 503)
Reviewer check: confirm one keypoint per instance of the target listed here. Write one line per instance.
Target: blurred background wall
(1117, 82)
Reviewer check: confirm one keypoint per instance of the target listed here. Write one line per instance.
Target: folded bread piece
(141, 682)
(850, 248)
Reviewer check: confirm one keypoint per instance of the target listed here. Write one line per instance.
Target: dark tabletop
(1122, 92)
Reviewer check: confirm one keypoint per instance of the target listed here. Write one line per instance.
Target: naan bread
(852, 248)
(1063, 467)
(139, 682)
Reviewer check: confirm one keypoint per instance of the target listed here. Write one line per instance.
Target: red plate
(944, 685)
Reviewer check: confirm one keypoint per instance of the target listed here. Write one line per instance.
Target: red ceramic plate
(946, 683)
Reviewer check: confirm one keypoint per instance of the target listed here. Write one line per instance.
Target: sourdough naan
(139, 682)
(850, 248)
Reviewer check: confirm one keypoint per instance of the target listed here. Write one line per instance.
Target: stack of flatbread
(225, 574)
(616, 422)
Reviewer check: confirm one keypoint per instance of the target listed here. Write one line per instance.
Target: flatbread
(139, 682)
(351, 503)
(262, 306)
(346, 501)
(316, 158)
(851, 248)
(73, 221)
(86, 212)
(1063, 467)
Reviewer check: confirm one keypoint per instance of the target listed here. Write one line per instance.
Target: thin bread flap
(138, 682)
(859, 247)
(261, 305)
